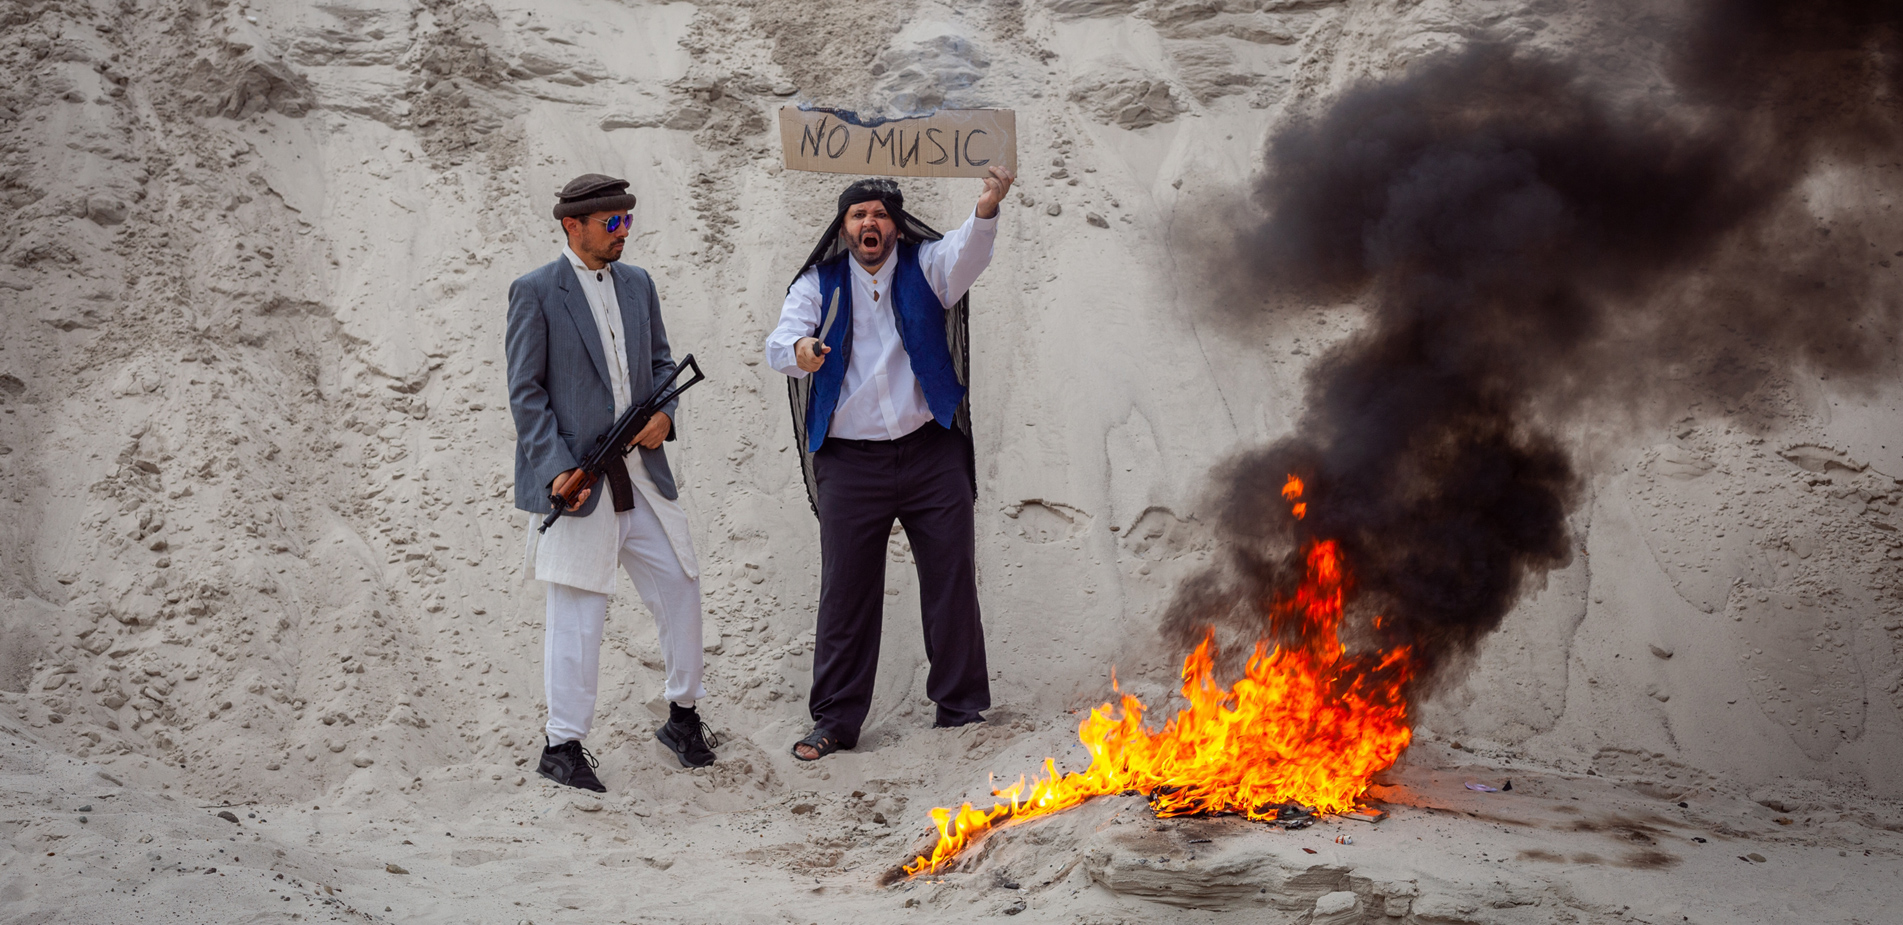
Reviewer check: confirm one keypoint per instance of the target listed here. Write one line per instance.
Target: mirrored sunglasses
(617, 222)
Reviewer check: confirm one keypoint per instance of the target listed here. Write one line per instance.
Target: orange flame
(1308, 723)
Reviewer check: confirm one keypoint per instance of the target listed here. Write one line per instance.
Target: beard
(609, 252)
(870, 247)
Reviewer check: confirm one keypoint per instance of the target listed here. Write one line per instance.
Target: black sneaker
(571, 765)
(690, 738)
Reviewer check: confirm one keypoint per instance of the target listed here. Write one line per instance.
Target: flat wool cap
(593, 192)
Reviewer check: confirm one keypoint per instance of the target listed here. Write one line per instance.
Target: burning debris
(1302, 732)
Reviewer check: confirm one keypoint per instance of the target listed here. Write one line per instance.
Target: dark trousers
(921, 479)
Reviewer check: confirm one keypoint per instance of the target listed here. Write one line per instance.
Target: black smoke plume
(1534, 254)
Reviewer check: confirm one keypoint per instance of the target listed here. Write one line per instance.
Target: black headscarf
(832, 247)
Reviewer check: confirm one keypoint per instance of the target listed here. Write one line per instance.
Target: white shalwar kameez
(578, 555)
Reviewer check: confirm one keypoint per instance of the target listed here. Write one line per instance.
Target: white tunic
(881, 398)
(582, 552)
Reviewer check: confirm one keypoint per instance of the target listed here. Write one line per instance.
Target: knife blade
(831, 313)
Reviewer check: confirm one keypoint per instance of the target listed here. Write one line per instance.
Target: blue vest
(921, 322)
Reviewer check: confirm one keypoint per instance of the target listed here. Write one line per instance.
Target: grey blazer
(559, 390)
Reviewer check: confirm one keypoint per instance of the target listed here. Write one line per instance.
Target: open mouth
(869, 241)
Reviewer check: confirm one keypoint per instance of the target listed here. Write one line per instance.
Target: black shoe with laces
(571, 765)
(690, 738)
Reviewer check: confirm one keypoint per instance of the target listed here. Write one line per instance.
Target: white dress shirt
(599, 288)
(881, 399)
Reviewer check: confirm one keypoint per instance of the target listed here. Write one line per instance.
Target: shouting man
(585, 341)
(873, 335)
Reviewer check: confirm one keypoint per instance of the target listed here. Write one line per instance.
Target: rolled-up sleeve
(799, 317)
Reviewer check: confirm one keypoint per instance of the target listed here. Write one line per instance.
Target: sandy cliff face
(261, 436)
(255, 535)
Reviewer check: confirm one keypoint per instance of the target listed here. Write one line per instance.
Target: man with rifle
(585, 344)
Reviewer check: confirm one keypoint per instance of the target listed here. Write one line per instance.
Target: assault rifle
(619, 440)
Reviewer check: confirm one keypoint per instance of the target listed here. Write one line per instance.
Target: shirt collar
(580, 267)
(884, 276)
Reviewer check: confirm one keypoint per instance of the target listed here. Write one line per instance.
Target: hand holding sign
(996, 186)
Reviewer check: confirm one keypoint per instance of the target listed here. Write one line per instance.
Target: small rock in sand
(1336, 908)
(228, 816)
(392, 868)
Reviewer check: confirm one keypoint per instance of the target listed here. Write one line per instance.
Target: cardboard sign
(947, 143)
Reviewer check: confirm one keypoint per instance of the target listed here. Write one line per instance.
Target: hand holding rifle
(568, 483)
(644, 425)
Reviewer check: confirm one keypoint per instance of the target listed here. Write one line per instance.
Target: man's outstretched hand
(996, 186)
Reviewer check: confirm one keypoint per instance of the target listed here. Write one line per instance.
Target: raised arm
(954, 262)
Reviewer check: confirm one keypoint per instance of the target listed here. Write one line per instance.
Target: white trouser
(571, 644)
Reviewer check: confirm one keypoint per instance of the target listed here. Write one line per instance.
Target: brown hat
(593, 192)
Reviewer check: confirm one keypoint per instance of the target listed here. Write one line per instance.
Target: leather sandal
(820, 740)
